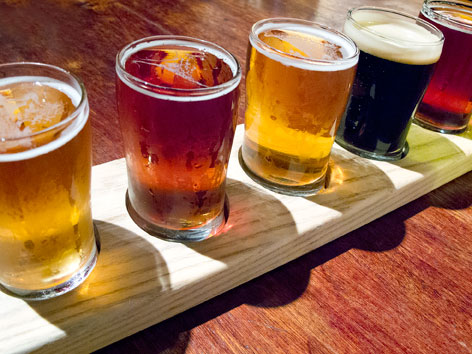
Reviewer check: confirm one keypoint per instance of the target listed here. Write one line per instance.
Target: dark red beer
(447, 104)
(177, 101)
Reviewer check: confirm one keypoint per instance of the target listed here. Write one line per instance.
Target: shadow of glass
(350, 180)
(455, 195)
(278, 287)
(253, 212)
(284, 284)
(160, 338)
(256, 219)
(128, 267)
(243, 224)
(468, 133)
(427, 148)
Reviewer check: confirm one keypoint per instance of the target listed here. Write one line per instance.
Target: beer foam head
(303, 44)
(78, 120)
(394, 36)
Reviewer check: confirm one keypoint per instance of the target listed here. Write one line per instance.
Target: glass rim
(452, 4)
(123, 55)
(78, 109)
(253, 36)
(432, 29)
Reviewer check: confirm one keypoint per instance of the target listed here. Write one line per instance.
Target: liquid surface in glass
(178, 68)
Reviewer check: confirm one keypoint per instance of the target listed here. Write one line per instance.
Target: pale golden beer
(47, 241)
(299, 77)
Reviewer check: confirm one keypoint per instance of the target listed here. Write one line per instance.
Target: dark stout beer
(395, 65)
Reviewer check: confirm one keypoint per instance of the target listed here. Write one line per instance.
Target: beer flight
(307, 85)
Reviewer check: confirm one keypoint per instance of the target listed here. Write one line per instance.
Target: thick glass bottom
(298, 191)
(72, 283)
(400, 154)
(438, 129)
(212, 228)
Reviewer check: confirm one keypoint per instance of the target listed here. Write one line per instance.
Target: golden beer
(47, 242)
(299, 77)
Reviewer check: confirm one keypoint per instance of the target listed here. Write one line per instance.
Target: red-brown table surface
(400, 284)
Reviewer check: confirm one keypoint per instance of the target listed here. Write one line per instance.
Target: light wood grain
(141, 280)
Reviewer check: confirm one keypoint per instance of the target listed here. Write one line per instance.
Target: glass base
(434, 128)
(72, 283)
(297, 191)
(375, 156)
(201, 233)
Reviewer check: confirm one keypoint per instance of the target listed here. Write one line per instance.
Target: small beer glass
(447, 104)
(398, 53)
(177, 103)
(299, 76)
(47, 240)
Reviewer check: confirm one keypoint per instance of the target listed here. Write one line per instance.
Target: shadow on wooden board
(109, 289)
(276, 288)
(250, 210)
(468, 133)
(259, 213)
(256, 219)
(287, 283)
(428, 150)
(350, 180)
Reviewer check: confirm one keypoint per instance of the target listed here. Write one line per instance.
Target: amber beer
(447, 104)
(299, 76)
(177, 101)
(47, 242)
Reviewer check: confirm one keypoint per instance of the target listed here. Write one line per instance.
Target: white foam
(69, 132)
(179, 42)
(347, 48)
(390, 37)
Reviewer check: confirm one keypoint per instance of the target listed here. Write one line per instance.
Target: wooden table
(402, 283)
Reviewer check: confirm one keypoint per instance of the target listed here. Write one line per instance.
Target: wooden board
(140, 280)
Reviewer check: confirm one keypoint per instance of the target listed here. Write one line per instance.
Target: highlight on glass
(447, 104)
(178, 103)
(47, 239)
(299, 76)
